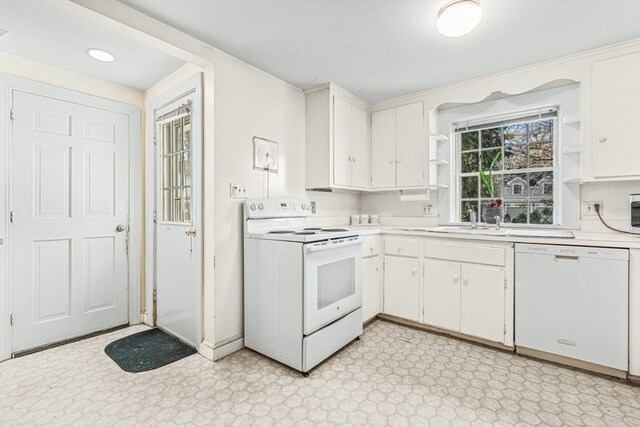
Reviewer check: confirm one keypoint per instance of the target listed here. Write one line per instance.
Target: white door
(402, 287)
(410, 154)
(383, 149)
(442, 294)
(341, 142)
(482, 302)
(359, 148)
(178, 283)
(69, 192)
(371, 297)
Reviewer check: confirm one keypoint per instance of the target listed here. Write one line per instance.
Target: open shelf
(438, 187)
(571, 119)
(438, 162)
(571, 149)
(439, 137)
(572, 181)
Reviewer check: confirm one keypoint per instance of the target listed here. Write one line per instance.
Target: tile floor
(394, 376)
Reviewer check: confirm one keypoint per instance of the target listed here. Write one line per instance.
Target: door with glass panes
(177, 291)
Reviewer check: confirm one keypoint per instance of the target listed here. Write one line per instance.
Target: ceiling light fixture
(100, 55)
(459, 17)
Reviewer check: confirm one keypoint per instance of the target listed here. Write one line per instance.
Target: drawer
(478, 254)
(402, 247)
(370, 246)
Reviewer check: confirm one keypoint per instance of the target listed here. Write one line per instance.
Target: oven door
(332, 281)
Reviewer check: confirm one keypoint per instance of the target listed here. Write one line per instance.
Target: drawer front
(465, 253)
(371, 246)
(402, 247)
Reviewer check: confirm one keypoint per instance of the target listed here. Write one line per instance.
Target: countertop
(609, 240)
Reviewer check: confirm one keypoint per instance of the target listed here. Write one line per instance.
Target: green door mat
(147, 350)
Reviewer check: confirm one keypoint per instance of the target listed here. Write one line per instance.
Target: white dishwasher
(574, 302)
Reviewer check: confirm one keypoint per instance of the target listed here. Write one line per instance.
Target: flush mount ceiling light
(459, 17)
(100, 55)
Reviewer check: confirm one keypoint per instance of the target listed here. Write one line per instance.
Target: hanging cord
(597, 208)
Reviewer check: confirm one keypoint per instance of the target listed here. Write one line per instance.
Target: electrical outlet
(427, 209)
(588, 208)
(238, 191)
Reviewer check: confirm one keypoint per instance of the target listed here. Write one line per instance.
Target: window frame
(500, 121)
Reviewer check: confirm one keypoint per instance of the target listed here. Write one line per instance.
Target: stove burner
(281, 232)
(305, 232)
(334, 230)
(312, 229)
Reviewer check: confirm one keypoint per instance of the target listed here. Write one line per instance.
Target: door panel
(383, 149)
(341, 142)
(371, 297)
(178, 281)
(359, 151)
(410, 153)
(482, 302)
(69, 191)
(402, 287)
(442, 294)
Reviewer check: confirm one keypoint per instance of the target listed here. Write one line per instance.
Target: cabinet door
(410, 154)
(616, 109)
(359, 148)
(371, 295)
(383, 149)
(442, 294)
(482, 302)
(402, 287)
(341, 142)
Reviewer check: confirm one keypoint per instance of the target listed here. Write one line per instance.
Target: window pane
(488, 156)
(539, 183)
(186, 139)
(541, 144)
(491, 137)
(515, 146)
(497, 188)
(470, 162)
(515, 211)
(541, 212)
(469, 141)
(465, 206)
(515, 186)
(469, 187)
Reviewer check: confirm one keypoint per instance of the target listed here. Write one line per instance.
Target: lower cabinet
(402, 287)
(371, 287)
(482, 302)
(442, 294)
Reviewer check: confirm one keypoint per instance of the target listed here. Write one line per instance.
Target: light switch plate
(238, 191)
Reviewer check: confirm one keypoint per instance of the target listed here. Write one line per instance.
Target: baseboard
(227, 348)
(447, 332)
(206, 350)
(563, 360)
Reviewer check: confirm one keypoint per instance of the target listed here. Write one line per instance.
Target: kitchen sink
(481, 230)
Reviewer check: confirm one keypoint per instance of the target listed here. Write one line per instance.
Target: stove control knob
(260, 206)
(253, 207)
(304, 207)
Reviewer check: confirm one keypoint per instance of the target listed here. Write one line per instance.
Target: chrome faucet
(472, 219)
(498, 219)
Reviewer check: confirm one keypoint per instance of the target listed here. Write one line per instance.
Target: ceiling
(45, 34)
(378, 49)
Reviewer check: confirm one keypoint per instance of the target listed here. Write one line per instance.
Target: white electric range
(302, 284)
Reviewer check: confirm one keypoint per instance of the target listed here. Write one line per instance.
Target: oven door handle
(328, 246)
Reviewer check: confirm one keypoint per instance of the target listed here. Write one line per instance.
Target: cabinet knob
(353, 159)
(456, 277)
(465, 280)
(414, 271)
(400, 248)
(602, 140)
(391, 162)
(377, 268)
(398, 161)
(370, 248)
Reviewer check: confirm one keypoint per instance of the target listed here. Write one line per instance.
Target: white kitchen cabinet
(337, 140)
(398, 158)
(616, 109)
(482, 301)
(442, 294)
(402, 287)
(465, 289)
(371, 289)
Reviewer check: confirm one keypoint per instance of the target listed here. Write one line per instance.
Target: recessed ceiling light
(459, 17)
(100, 55)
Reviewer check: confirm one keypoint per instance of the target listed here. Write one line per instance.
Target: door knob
(191, 232)
(120, 228)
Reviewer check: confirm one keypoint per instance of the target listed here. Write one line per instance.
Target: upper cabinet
(397, 148)
(337, 140)
(616, 117)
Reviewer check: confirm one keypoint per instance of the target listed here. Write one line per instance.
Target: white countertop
(609, 240)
